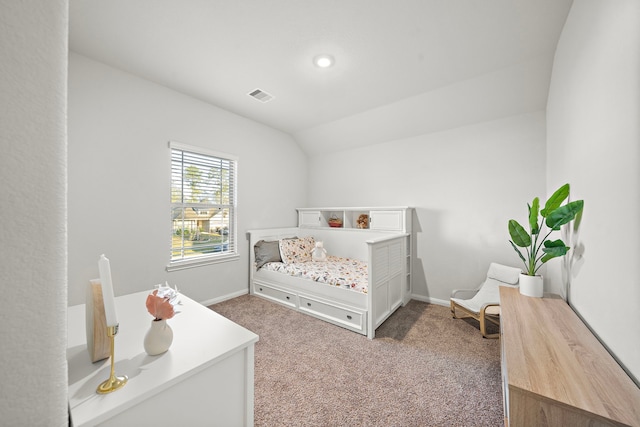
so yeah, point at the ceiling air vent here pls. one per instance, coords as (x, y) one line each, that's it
(260, 95)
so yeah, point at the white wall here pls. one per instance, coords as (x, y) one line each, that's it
(594, 143)
(33, 366)
(465, 185)
(119, 128)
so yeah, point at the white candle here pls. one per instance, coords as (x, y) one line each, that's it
(107, 291)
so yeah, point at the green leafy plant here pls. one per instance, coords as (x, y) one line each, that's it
(537, 249)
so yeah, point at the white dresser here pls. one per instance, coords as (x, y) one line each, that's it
(205, 379)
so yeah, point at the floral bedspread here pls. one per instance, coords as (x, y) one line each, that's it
(335, 271)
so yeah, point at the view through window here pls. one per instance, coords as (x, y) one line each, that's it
(203, 205)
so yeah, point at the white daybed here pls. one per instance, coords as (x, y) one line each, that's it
(361, 312)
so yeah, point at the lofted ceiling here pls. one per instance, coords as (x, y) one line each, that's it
(402, 68)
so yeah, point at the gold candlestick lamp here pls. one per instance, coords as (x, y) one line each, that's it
(113, 383)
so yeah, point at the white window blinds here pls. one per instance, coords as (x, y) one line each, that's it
(203, 204)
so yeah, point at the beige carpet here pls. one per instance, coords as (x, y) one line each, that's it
(422, 369)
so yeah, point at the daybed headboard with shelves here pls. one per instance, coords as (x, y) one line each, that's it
(382, 219)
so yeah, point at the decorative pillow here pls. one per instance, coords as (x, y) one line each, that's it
(296, 250)
(267, 251)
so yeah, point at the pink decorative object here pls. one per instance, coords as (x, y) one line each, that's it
(159, 307)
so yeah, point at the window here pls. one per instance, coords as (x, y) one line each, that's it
(203, 206)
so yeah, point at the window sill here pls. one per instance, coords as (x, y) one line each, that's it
(192, 263)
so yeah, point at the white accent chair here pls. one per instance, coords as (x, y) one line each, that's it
(483, 303)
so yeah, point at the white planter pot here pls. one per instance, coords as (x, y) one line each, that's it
(531, 286)
(158, 338)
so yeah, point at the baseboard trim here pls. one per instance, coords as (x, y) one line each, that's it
(430, 300)
(224, 298)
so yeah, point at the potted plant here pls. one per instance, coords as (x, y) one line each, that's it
(537, 249)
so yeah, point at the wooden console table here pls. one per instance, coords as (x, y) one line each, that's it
(205, 378)
(555, 372)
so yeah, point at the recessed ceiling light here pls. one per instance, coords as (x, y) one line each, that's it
(323, 61)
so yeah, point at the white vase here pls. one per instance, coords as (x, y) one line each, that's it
(158, 338)
(531, 286)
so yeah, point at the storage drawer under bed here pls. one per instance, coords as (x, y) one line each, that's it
(277, 295)
(351, 319)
